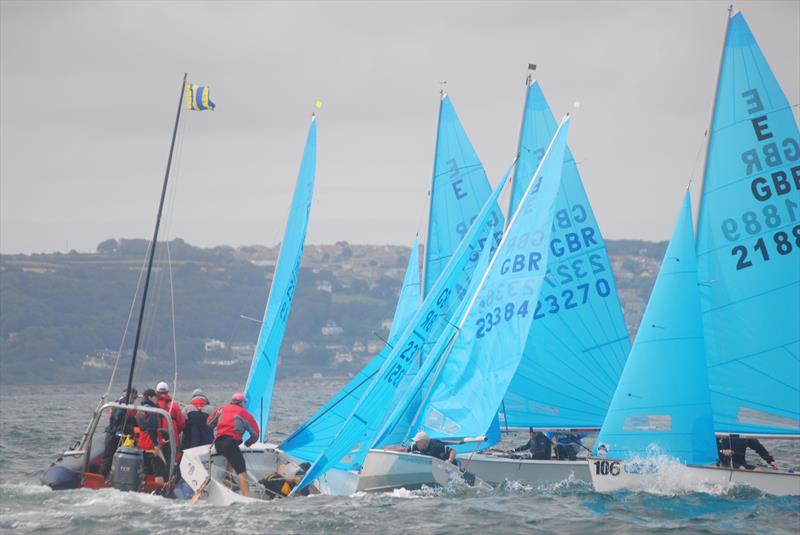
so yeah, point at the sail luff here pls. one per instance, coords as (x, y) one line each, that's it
(261, 378)
(424, 274)
(711, 122)
(529, 81)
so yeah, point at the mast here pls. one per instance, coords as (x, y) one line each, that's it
(528, 83)
(711, 122)
(154, 242)
(424, 273)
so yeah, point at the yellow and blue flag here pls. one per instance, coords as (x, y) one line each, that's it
(198, 98)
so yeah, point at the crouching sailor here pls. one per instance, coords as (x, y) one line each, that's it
(733, 450)
(280, 483)
(424, 445)
(231, 422)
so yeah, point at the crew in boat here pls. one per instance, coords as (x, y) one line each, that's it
(567, 445)
(424, 445)
(280, 483)
(120, 423)
(197, 431)
(732, 451)
(149, 440)
(539, 444)
(166, 402)
(231, 422)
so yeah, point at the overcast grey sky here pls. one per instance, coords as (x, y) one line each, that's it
(88, 93)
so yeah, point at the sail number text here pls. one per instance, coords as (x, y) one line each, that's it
(549, 304)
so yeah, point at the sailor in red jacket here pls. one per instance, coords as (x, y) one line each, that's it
(166, 402)
(230, 423)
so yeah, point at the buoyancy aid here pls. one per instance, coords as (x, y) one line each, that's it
(197, 431)
(284, 480)
(174, 410)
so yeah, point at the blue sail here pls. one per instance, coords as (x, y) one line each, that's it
(352, 443)
(475, 374)
(261, 380)
(308, 440)
(459, 189)
(407, 401)
(662, 402)
(749, 246)
(535, 133)
(577, 347)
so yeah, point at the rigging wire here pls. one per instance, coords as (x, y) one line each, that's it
(127, 326)
(167, 234)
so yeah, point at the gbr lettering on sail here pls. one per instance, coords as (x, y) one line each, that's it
(776, 166)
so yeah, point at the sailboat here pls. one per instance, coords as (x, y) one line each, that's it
(202, 467)
(79, 466)
(466, 334)
(722, 329)
(459, 191)
(578, 344)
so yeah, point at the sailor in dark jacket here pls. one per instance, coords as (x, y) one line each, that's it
(424, 445)
(121, 423)
(732, 452)
(197, 431)
(539, 445)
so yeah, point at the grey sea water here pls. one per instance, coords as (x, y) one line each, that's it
(37, 423)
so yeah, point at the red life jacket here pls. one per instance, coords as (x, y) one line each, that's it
(174, 410)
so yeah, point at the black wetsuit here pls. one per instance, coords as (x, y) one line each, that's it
(739, 447)
(539, 446)
(436, 448)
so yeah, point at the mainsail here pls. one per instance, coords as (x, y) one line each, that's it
(311, 438)
(748, 246)
(261, 380)
(474, 375)
(458, 191)
(351, 445)
(578, 344)
(662, 402)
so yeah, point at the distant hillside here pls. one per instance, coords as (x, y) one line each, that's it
(62, 315)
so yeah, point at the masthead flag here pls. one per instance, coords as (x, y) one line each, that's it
(198, 98)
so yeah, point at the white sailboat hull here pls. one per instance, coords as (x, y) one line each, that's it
(203, 469)
(609, 475)
(494, 469)
(383, 471)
